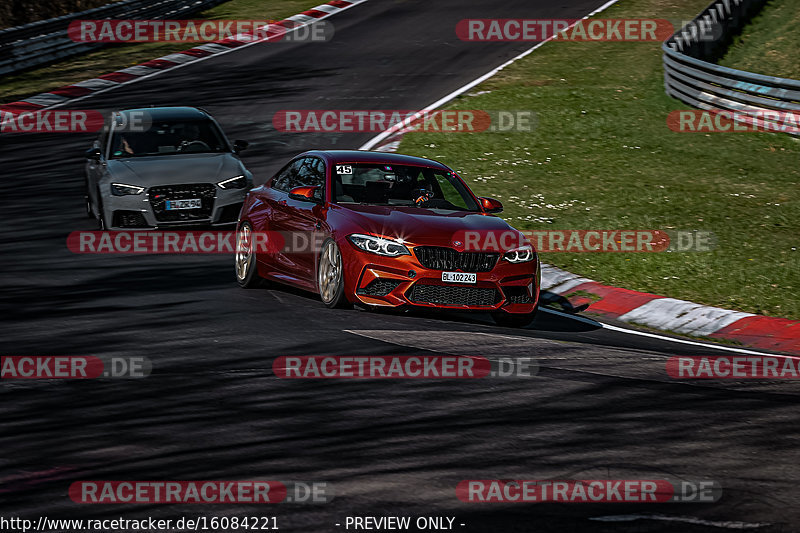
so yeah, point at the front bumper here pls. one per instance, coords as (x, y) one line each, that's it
(220, 207)
(404, 281)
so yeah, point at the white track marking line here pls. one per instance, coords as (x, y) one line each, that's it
(288, 30)
(438, 103)
(660, 337)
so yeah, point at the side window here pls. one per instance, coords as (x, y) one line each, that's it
(307, 171)
(283, 179)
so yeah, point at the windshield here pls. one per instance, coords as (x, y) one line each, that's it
(168, 137)
(401, 185)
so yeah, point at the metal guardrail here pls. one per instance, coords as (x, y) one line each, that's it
(45, 41)
(691, 76)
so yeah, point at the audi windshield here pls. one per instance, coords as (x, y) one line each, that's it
(167, 138)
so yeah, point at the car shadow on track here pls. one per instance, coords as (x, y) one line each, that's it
(544, 322)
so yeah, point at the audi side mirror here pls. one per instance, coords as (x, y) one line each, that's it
(239, 145)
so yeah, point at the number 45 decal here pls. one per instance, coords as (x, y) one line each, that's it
(344, 169)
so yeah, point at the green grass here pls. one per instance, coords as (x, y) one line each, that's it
(769, 44)
(602, 157)
(115, 57)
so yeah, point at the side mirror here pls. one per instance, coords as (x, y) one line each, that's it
(490, 205)
(93, 153)
(305, 194)
(240, 145)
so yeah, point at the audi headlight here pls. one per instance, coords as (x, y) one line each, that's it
(236, 182)
(522, 254)
(120, 189)
(378, 245)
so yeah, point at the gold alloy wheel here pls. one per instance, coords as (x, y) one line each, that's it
(244, 251)
(330, 272)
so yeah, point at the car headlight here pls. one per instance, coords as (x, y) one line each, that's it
(378, 245)
(522, 254)
(120, 189)
(236, 182)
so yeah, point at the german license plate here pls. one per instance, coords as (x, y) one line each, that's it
(190, 203)
(459, 277)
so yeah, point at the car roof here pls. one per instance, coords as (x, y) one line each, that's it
(170, 113)
(366, 156)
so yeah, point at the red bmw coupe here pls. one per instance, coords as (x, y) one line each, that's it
(381, 229)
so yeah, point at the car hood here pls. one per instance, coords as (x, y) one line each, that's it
(422, 226)
(175, 169)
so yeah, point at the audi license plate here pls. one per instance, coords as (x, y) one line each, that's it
(190, 203)
(459, 277)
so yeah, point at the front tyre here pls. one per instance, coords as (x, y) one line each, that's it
(101, 215)
(88, 200)
(245, 258)
(330, 276)
(514, 320)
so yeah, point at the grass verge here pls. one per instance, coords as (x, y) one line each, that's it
(602, 157)
(769, 44)
(116, 57)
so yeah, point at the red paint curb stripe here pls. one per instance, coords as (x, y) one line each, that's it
(118, 77)
(765, 332)
(20, 107)
(159, 64)
(614, 301)
(196, 52)
(233, 43)
(71, 91)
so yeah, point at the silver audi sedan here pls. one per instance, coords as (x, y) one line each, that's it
(164, 167)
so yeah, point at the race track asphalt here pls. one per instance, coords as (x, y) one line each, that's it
(600, 407)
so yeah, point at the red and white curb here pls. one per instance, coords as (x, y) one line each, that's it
(651, 310)
(79, 91)
(669, 314)
(658, 312)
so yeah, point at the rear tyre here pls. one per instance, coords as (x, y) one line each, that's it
(330, 276)
(245, 258)
(514, 320)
